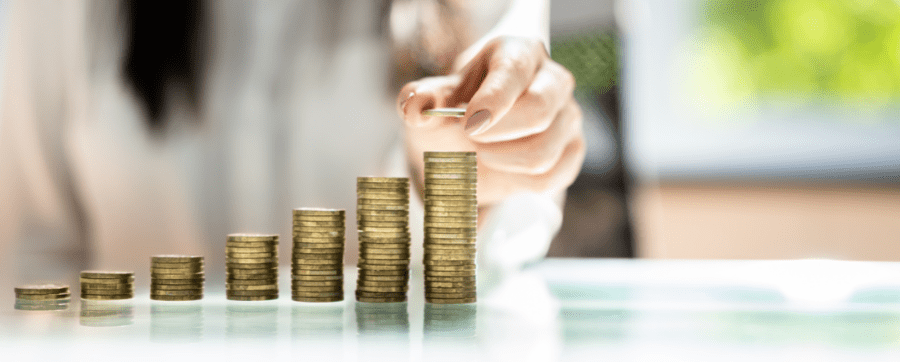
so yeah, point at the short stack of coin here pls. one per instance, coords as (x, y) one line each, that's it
(451, 212)
(317, 262)
(107, 285)
(42, 297)
(176, 277)
(382, 214)
(251, 267)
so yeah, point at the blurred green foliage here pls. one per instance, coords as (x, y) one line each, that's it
(845, 49)
(591, 56)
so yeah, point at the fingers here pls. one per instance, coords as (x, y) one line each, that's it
(535, 154)
(535, 110)
(494, 186)
(499, 75)
(423, 94)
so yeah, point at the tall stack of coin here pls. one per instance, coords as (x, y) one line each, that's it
(176, 277)
(107, 285)
(42, 297)
(451, 212)
(251, 267)
(317, 268)
(382, 214)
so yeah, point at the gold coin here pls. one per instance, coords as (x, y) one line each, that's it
(450, 301)
(321, 273)
(175, 292)
(251, 287)
(365, 273)
(154, 286)
(98, 274)
(460, 273)
(360, 293)
(383, 218)
(366, 225)
(367, 262)
(251, 299)
(463, 161)
(334, 219)
(450, 154)
(446, 172)
(449, 284)
(448, 225)
(251, 293)
(380, 300)
(395, 213)
(181, 298)
(396, 196)
(318, 300)
(371, 256)
(192, 281)
(299, 250)
(303, 288)
(246, 266)
(383, 266)
(456, 279)
(471, 210)
(42, 289)
(445, 112)
(265, 281)
(327, 224)
(183, 270)
(107, 281)
(229, 260)
(318, 261)
(374, 283)
(386, 278)
(317, 283)
(364, 201)
(401, 245)
(252, 271)
(308, 244)
(434, 215)
(395, 251)
(432, 290)
(450, 233)
(54, 296)
(383, 235)
(301, 277)
(239, 237)
(317, 211)
(436, 246)
(456, 295)
(176, 259)
(388, 180)
(382, 208)
(315, 267)
(89, 286)
(387, 230)
(317, 294)
(107, 297)
(266, 249)
(381, 289)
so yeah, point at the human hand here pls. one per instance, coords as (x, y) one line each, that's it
(521, 118)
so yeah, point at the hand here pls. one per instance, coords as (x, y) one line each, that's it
(521, 118)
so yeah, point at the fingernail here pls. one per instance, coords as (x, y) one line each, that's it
(477, 122)
(403, 102)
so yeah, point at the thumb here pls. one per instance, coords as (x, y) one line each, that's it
(426, 93)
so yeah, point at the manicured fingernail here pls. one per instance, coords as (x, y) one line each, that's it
(403, 102)
(477, 122)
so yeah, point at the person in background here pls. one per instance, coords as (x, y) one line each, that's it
(134, 128)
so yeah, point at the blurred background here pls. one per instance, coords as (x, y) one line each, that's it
(748, 129)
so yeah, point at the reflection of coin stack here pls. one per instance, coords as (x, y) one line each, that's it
(450, 321)
(176, 322)
(106, 314)
(42, 297)
(317, 267)
(251, 267)
(382, 214)
(251, 322)
(107, 285)
(382, 320)
(451, 210)
(176, 277)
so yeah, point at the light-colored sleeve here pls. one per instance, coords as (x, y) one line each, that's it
(42, 226)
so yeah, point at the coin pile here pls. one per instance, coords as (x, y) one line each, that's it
(382, 215)
(176, 277)
(451, 212)
(42, 297)
(107, 285)
(251, 267)
(317, 263)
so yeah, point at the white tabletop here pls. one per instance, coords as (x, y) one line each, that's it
(559, 310)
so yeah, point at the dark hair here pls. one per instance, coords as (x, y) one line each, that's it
(164, 46)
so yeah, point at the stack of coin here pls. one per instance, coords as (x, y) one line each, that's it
(451, 212)
(382, 214)
(251, 267)
(107, 285)
(176, 277)
(42, 297)
(317, 267)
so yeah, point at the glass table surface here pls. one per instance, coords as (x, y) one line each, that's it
(556, 310)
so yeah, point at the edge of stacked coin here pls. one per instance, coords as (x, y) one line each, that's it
(107, 285)
(451, 213)
(382, 215)
(42, 297)
(317, 261)
(176, 277)
(251, 267)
